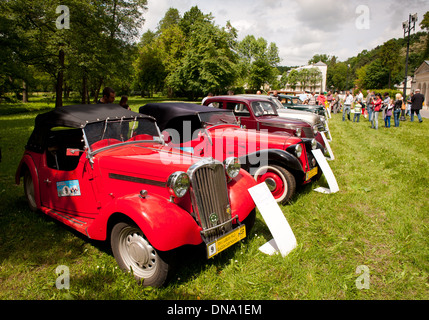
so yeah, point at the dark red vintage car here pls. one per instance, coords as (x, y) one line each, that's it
(106, 172)
(258, 112)
(280, 160)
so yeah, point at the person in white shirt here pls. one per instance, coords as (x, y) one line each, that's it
(208, 96)
(347, 105)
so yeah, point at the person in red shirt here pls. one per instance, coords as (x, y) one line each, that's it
(377, 103)
(321, 99)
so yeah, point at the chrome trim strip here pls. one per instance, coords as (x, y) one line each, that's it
(123, 177)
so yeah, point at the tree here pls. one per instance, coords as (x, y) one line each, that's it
(314, 77)
(29, 38)
(293, 78)
(150, 72)
(337, 76)
(95, 50)
(258, 61)
(208, 63)
(304, 77)
(171, 18)
(425, 25)
(320, 57)
(389, 57)
(377, 75)
(361, 78)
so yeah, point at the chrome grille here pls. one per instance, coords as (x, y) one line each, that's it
(308, 131)
(320, 126)
(210, 198)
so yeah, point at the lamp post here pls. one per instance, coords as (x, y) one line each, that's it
(408, 26)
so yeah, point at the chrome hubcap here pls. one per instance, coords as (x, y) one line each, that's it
(137, 253)
(271, 184)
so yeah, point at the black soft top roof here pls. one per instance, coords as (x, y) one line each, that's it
(164, 112)
(78, 116)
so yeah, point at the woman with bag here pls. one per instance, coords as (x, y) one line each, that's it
(388, 114)
(397, 109)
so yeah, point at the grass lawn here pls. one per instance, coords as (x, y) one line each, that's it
(378, 219)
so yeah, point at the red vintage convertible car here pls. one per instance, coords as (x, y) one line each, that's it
(257, 112)
(280, 160)
(105, 172)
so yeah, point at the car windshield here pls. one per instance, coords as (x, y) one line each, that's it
(263, 108)
(277, 103)
(215, 118)
(296, 100)
(113, 132)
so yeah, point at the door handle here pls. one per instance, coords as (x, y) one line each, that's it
(47, 181)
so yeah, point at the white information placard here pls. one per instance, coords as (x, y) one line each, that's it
(283, 238)
(327, 171)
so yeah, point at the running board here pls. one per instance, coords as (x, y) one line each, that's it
(78, 223)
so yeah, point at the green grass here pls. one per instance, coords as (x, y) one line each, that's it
(379, 219)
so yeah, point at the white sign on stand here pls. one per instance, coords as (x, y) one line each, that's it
(327, 171)
(284, 240)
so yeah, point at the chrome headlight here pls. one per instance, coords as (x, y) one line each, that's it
(315, 130)
(298, 132)
(232, 167)
(178, 184)
(298, 150)
(313, 144)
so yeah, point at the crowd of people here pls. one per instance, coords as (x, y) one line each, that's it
(369, 107)
(372, 106)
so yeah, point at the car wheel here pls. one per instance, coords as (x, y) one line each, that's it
(280, 181)
(29, 191)
(135, 254)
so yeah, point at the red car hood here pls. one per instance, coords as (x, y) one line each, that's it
(153, 161)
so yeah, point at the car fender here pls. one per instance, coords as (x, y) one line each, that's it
(239, 197)
(250, 162)
(165, 224)
(28, 161)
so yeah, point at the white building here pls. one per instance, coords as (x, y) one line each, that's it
(317, 88)
(421, 79)
(400, 86)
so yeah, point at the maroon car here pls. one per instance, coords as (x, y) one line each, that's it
(258, 113)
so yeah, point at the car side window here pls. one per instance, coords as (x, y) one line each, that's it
(288, 101)
(239, 109)
(216, 104)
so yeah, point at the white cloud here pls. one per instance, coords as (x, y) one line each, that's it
(303, 28)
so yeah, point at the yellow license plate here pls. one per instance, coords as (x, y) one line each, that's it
(310, 174)
(214, 247)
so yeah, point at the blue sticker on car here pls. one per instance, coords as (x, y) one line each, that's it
(69, 188)
(187, 149)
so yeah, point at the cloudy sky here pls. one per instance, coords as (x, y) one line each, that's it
(302, 28)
